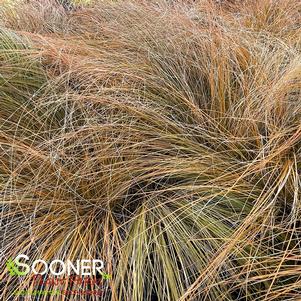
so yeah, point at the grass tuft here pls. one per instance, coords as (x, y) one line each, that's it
(163, 137)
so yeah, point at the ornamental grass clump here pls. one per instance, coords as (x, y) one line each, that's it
(162, 137)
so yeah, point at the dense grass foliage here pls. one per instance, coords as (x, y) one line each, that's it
(161, 136)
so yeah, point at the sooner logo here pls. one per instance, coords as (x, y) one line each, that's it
(83, 267)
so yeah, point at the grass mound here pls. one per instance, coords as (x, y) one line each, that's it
(163, 137)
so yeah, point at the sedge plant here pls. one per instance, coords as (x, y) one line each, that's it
(163, 137)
